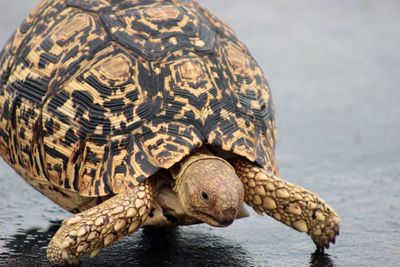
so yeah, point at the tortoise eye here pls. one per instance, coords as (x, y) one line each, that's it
(204, 195)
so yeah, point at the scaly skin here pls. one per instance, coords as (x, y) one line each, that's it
(288, 203)
(99, 227)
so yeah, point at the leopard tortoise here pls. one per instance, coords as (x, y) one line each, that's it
(143, 112)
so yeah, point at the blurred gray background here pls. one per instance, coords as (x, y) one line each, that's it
(334, 70)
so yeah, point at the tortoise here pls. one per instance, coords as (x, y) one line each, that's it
(143, 112)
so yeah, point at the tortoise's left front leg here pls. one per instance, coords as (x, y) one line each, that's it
(288, 203)
(96, 228)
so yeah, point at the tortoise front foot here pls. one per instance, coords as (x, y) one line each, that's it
(96, 228)
(288, 203)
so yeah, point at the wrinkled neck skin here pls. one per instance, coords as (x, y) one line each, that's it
(208, 188)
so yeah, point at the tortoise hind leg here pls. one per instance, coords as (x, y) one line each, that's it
(288, 203)
(96, 228)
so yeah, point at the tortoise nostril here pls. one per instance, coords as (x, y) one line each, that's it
(204, 195)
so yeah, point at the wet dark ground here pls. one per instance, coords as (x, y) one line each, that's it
(334, 69)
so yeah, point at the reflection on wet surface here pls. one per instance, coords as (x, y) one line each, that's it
(147, 247)
(28, 247)
(320, 259)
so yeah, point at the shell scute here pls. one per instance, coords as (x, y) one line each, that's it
(154, 30)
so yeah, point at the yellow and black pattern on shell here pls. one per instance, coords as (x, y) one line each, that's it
(96, 96)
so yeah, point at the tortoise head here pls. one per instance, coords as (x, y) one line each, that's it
(209, 190)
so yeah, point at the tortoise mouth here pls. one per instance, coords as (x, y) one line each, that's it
(213, 221)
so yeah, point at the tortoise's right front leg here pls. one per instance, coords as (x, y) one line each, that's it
(98, 227)
(288, 203)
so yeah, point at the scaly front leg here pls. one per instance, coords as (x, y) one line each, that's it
(288, 203)
(98, 227)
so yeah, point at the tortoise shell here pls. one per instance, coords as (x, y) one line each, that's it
(97, 95)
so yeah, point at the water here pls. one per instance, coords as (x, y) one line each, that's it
(334, 69)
